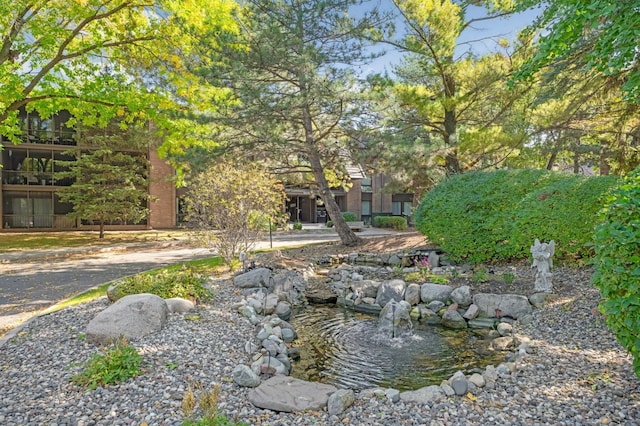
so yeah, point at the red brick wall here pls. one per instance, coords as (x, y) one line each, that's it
(163, 189)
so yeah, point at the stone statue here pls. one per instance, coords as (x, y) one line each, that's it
(542, 254)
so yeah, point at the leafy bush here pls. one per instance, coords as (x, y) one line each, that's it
(184, 283)
(489, 216)
(349, 217)
(117, 364)
(395, 222)
(617, 264)
(297, 226)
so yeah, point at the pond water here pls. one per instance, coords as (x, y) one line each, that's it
(343, 348)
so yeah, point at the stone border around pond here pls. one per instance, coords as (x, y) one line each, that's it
(268, 297)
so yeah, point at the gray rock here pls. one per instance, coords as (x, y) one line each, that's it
(512, 305)
(390, 290)
(288, 335)
(179, 305)
(245, 377)
(435, 305)
(477, 379)
(412, 294)
(269, 365)
(339, 401)
(288, 394)
(505, 329)
(365, 288)
(283, 310)
(472, 312)
(430, 292)
(453, 319)
(539, 299)
(433, 259)
(258, 277)
(482, 322)
(392, 394)
(462, 295)
(447, 389)
(490, 374)
(423, 395)
(459, 385)
(132, 316)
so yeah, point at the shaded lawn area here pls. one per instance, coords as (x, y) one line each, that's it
(47, 240)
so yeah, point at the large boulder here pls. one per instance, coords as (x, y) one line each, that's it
(412, 294)
(439, 292)
(502, 305)
(390, 290)
(462, 295)
(288, 394)
(259, 277)
(423, 395)
(365, 288)
(132, 317)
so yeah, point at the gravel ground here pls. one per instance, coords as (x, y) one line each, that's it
(577, 375)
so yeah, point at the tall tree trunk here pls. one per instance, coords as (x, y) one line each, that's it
(451, 160)
(101, 228)
(347, 236)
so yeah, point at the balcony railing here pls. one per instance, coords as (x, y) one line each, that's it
(16, 177)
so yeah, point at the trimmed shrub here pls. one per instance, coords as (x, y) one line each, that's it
(347, 216)
(617, 264)
(491, 216)
(395, 222)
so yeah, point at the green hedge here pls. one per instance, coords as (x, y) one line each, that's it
(491, 216)
(617, 264)
(347, 216)
(395, 222)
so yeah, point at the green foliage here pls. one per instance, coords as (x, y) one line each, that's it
(480, 275)
(508, 277)
(490, 216)
(297, 226)
(116, 364)
(617, 264)
(600, 35)
(184, 283)
(225, 202)
(395, 222)
(349, 216)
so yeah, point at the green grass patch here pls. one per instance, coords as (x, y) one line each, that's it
(116, 364)
(48, 240)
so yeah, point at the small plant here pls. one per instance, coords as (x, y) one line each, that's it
(116, 364)
(297, 226)
(508, 277)
(170, 365)
(184, 283)
(208, 405)
(480, 275)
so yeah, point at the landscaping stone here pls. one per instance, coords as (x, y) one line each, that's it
(132, 317)
(245, 377)
(288, 394)
(258, 277)
(440, 292)
(390, 290)
(462, 295)
(423, 395)
(179, 305)
(339, 401)
(512, 305)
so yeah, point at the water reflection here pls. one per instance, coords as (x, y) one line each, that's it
(343, 348)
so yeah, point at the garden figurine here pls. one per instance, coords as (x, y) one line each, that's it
(542, 259)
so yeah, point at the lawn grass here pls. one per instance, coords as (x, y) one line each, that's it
(49, 240)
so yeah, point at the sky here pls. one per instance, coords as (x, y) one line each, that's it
(479, 39)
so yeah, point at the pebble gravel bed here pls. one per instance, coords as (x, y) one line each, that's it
(576, 375)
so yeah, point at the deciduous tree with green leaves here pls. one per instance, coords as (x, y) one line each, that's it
(227, 204)
(104, 59)
(600, 35)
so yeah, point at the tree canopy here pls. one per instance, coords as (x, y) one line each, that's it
(100, 60)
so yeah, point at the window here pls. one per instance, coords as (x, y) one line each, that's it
(365, 185)
(366, 208)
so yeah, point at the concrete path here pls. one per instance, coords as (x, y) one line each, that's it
(35, 280)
